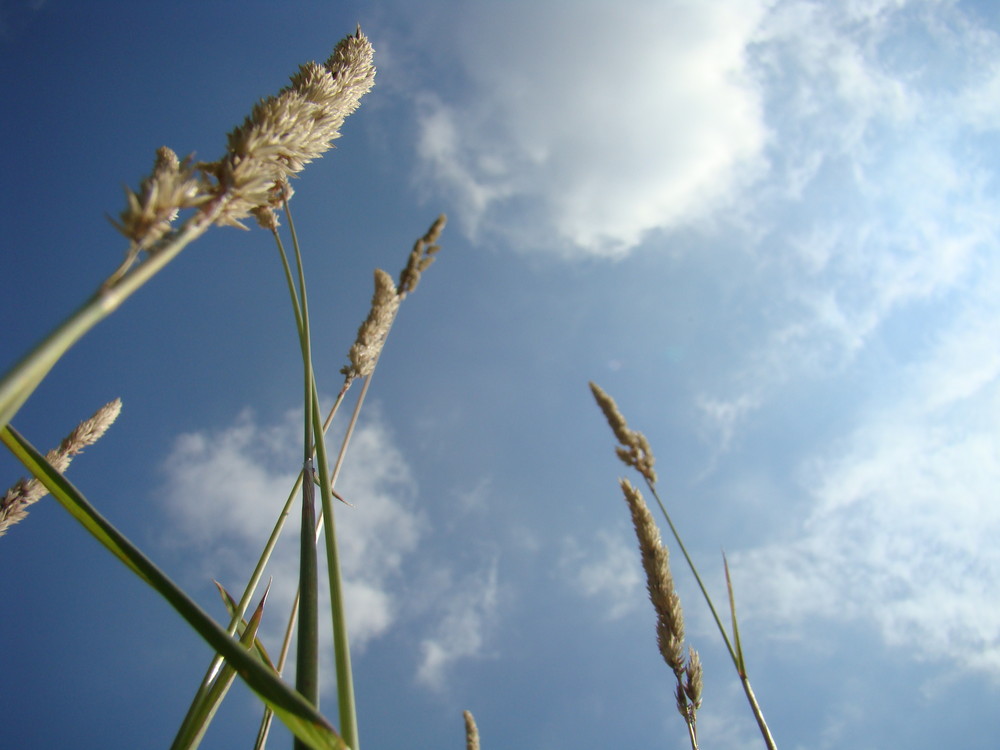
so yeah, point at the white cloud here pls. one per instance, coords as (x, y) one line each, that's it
(464, 627)
(223, 490)
(608, 570)
(594, 129)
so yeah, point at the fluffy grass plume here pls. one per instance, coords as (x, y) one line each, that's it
(14, 505)
(471, 731)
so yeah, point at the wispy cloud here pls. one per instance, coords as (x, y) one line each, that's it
(607, 570)
(463, 630)
(902, 526)
(881, 202)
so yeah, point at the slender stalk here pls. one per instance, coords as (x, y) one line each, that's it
(24, 377)
(342, 654)
(692, 735)
(307, 650)
(758, 714)
(293, 614)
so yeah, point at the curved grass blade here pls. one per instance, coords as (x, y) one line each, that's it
(295, 712)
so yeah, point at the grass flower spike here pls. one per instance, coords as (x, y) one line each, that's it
(285, 132)
(667, 605)
(471, 731)
(634, 450)
(372, 333)
(14, 505)
(659, 580)
(170, 187)
(281, 135)
(421, 257)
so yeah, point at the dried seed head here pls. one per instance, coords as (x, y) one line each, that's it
(693, 678)
(13, 505)
(471, 731)
(372, 333)
(634, 450)
(170, 187)
(282, 134)
(659, 580)
(267, 217)
(285, 132)
(421, 256)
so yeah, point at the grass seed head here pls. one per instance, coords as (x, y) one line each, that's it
(634, 450)
(421, 256)
(171, 186)
(14, 504)
(372, 334)
(693, 678)
(471, 731)
(659, 580)
(285, 132)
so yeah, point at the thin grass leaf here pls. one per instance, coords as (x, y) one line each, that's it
(301, 718)
(740, 664)
(195, 725)
(741, 668)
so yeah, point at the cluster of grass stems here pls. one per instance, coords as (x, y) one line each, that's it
(281, 135)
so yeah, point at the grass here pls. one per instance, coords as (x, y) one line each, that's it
(176, 204)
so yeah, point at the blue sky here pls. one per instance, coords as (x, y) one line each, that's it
(767, 227)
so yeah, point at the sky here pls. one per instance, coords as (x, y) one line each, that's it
(768, 228)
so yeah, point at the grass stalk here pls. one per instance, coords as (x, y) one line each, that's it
(25, 376)
(342, 657)
(307, 649)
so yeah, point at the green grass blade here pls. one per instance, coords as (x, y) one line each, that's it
(307, 652)
(294, 711)
(236, 612)
(740, 664)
